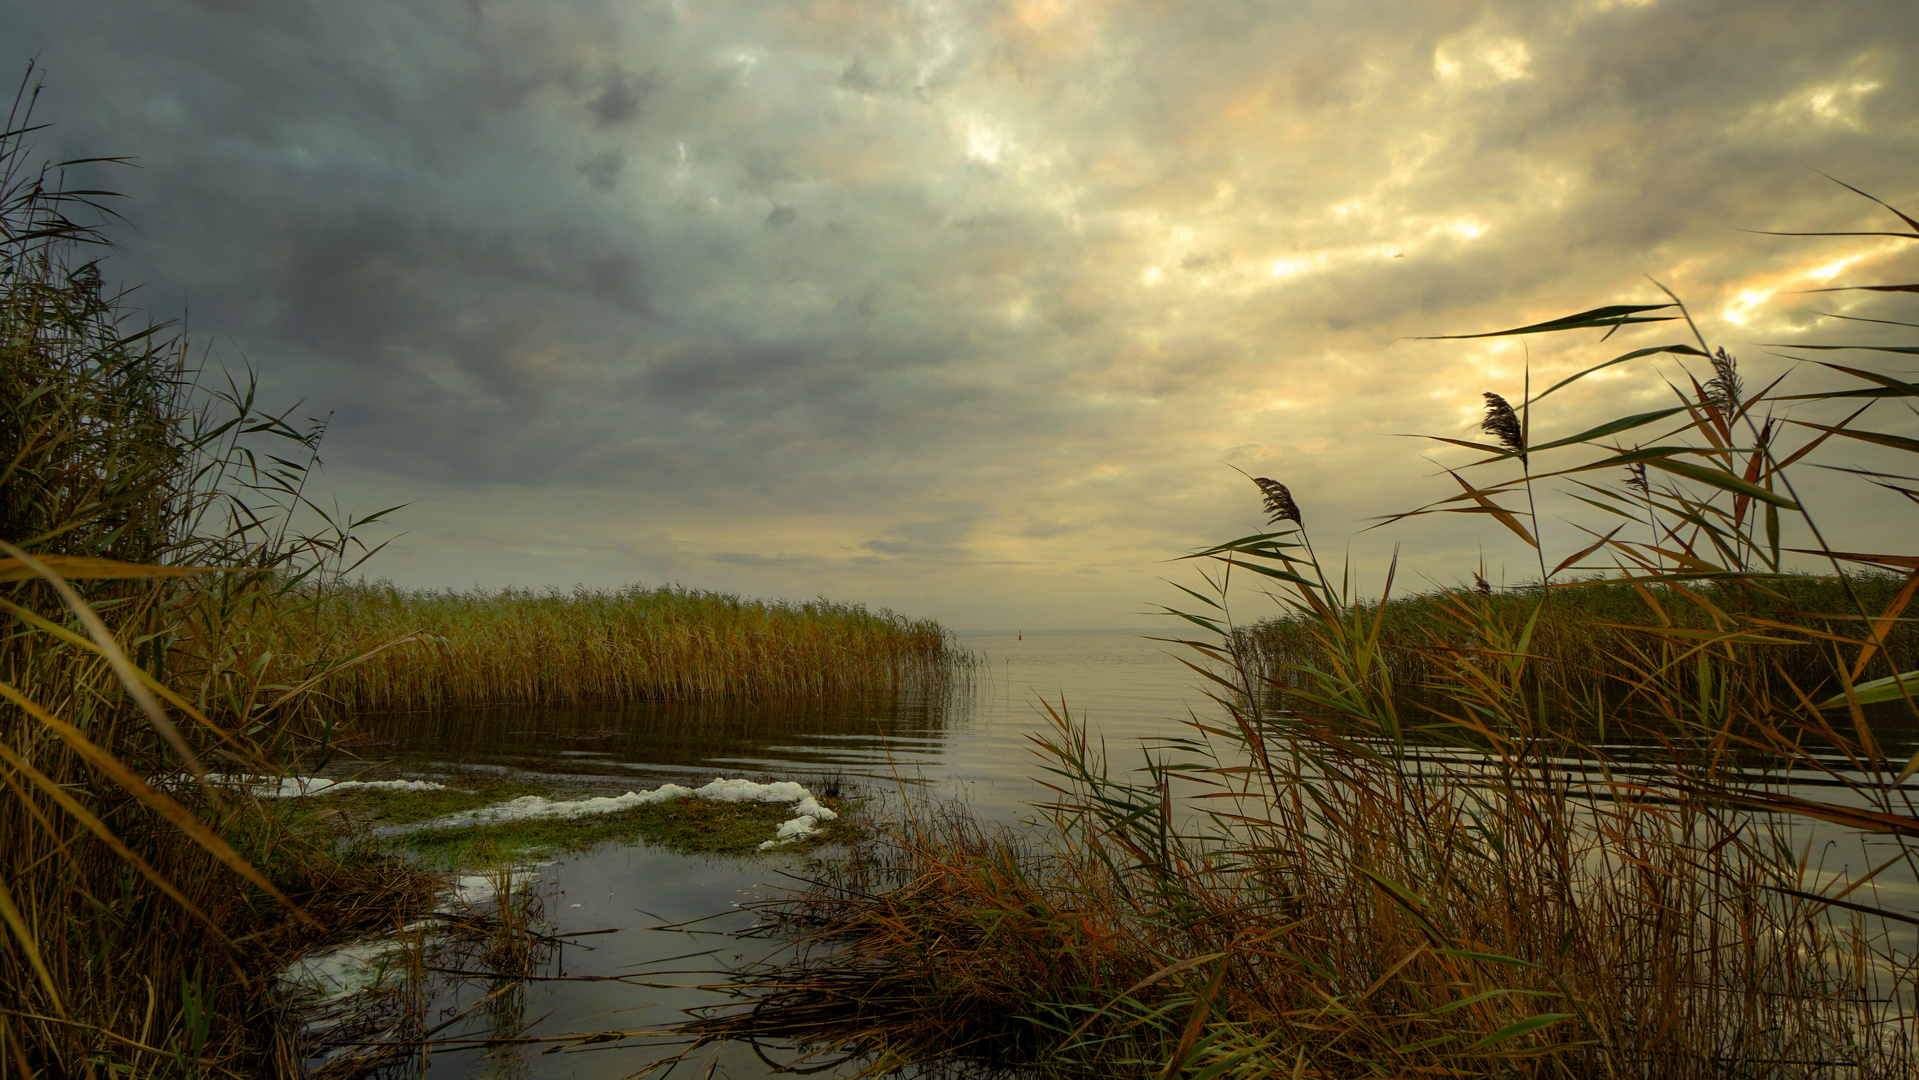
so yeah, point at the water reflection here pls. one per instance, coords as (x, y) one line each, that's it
(970, 741)
(672, 737)
(973, 742)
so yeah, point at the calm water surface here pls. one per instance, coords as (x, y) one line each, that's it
(972, 744)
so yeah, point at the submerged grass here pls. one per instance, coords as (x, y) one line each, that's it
(520, 646)
(1412, 849)
(378, 1006)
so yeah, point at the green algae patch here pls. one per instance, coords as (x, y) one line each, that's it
(691, 825)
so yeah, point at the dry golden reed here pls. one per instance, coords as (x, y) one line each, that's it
(140, 910)
(521, 646)
(163, 621)
(1644, 821)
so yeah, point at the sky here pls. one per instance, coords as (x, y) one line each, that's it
(972, 310)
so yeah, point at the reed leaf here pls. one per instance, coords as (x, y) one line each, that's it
(1535, 832)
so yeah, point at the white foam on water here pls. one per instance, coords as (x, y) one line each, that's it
(331, 974)
(809, 807)
(807, 811)
(798, 828)
(537, 807)
(470, 889)
(292, 787)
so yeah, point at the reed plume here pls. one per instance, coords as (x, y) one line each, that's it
(1636, 477)
(1279, 502)
(1471, 834)
(1724, 389)
(1503, 424)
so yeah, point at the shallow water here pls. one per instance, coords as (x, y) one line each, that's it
(970, 744)
(973, 743)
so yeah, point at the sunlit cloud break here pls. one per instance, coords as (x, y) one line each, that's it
(958, 308)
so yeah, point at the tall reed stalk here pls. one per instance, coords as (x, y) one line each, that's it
(139, 539)
(175, 603)
(1650, 830)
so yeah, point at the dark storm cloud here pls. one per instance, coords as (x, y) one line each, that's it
(602, 170)
(834, 268)
(621, 97)
(356, 285)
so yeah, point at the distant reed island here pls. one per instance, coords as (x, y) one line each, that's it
(527, 647)
(1587, 636)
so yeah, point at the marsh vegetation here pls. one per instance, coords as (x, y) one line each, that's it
(1639, 819)
(1589, 631)
(1407, 842)
(177, 607)
(611, 646)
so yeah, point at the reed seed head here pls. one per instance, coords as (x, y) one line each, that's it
(1279, 502)
(1636, 477)
(1503, 424)
(1724, 390)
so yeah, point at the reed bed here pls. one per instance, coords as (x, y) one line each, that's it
(520, 646)
(1588, 629)
(140, 909)
(1417, 850)
(1373, 925)
(165, 617)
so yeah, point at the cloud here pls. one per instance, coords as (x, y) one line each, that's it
(602, 170)
(620, 98)
(826, 272)
(743, 558)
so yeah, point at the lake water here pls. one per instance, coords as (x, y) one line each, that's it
(972, 744)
